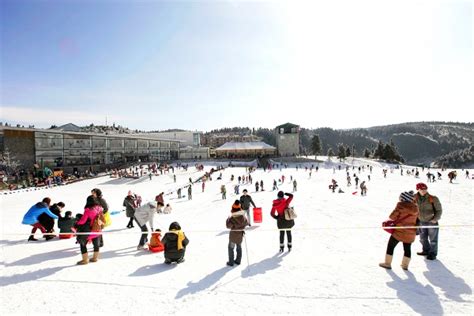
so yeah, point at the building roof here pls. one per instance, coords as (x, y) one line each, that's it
(56, 131)
(245, 146)
(287, 125)
(69, 127)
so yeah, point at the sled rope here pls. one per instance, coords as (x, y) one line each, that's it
(250, 231)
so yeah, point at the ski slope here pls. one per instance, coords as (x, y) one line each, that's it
(332, 269)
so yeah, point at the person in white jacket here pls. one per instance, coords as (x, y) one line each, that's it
(144, 214)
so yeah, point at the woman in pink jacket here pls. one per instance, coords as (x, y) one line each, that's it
(91, 211)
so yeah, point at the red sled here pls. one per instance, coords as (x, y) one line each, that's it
(354, 193)
(257, 214)
(159, 248)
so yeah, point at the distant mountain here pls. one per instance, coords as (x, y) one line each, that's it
(419, 142)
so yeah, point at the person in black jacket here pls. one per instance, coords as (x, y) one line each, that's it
(48, 222)
(175, 242)
(66, 225)
(97, 193)
(245, 201)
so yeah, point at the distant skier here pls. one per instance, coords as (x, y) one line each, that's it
(223, 191)
(190, 192)
(363, 188)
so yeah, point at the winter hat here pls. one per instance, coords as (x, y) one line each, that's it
(175, 226)
(281, 194)
(421, 186)
(407, 196)
(129, 193)
(236, 206)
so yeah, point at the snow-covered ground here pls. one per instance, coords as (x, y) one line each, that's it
(332, 269)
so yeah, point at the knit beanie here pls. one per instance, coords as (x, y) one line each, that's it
(421, 186)
(407, 196)
(236, 206)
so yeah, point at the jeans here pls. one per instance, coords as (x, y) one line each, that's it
(95, 242)
(248, 214)
(392, 243)
(144, 236)
(230, 249)
(429, 238)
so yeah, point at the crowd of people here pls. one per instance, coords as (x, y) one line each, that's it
(415, 213)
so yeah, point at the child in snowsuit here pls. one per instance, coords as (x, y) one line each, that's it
(175, 242)
(66, 225)
(155, 244)
(236, 222)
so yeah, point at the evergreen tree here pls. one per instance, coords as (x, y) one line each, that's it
(378, 153)
(330, 152)
(341, 152)
(348, 151)
(316, 145)
(366, 153)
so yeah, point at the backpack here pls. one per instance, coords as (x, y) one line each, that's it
(290, 213)
(99, 222)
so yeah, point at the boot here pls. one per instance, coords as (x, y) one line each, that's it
(95, 257)
(85, 259)
(289, 246)
(405, 262)
(388, 262)
(282, 248)
(32, 238)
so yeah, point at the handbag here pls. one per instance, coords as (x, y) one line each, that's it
(388, 224)
(108, 220)
(99, 223)
(290, 213)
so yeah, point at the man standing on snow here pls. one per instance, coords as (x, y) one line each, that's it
(245, 201)
(430, 213)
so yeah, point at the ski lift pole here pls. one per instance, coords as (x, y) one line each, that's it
(247, 252)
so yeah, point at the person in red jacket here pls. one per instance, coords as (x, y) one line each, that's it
(155, 244)
(405, 213)
(278, 213)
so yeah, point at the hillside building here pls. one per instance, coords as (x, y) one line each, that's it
(288, 139)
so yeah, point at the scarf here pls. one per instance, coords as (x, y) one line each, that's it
(180, 237)
(239, 213)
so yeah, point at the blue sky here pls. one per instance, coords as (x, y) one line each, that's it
(208, 64)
